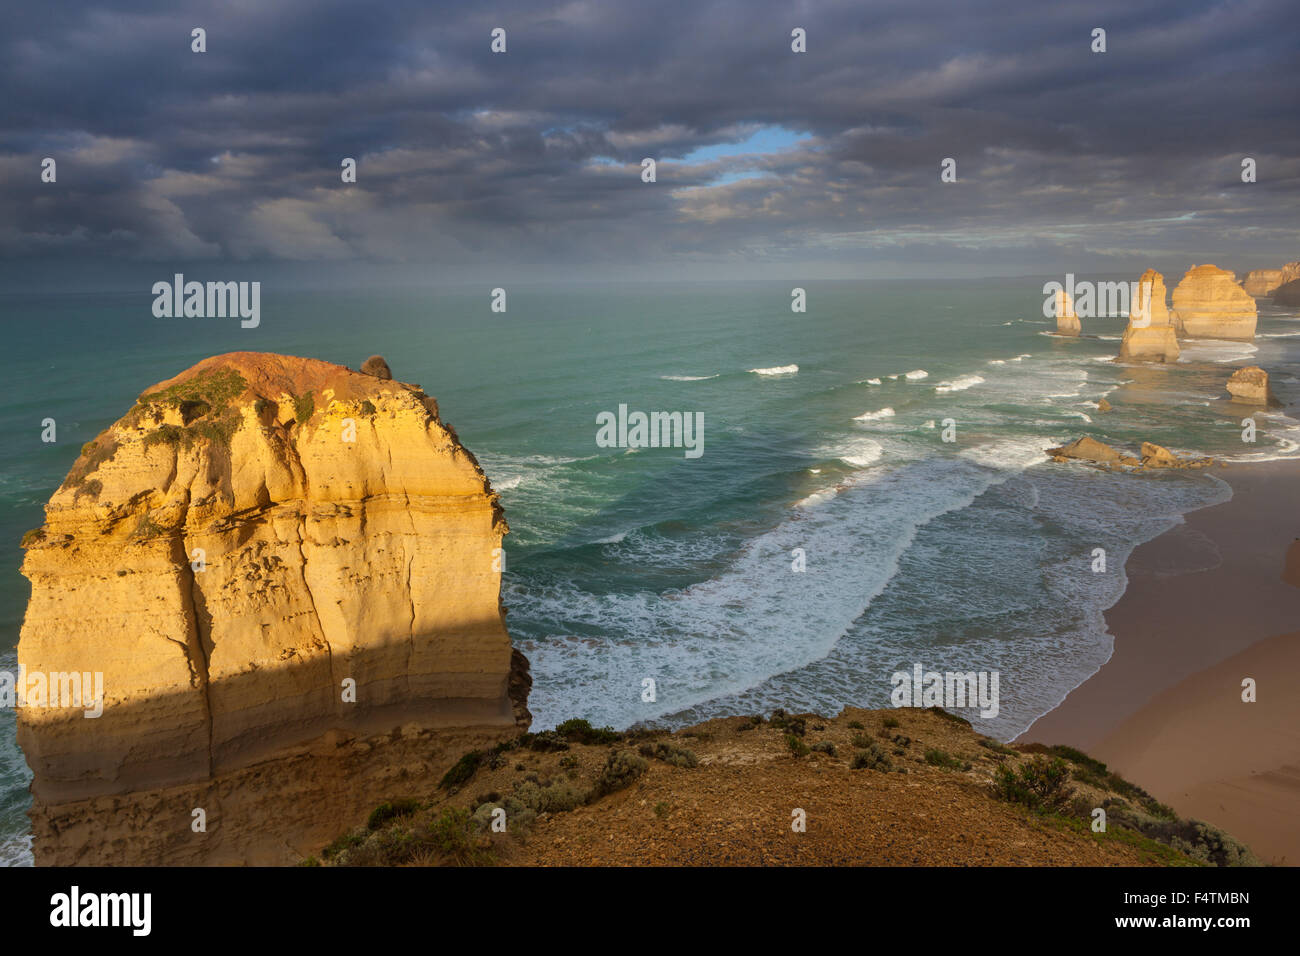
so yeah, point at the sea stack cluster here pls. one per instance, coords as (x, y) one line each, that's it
(288, 575)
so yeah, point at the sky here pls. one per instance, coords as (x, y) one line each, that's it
(527, 164)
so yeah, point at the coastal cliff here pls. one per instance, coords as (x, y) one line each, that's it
(1208, 303)
(288, 575)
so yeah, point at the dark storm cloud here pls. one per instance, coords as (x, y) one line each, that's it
(533, 158)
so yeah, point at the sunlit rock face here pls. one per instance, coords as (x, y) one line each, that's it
(1209, 304)
(265, 552)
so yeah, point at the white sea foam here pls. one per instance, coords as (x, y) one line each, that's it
(874, 416)
(776, 370)
(687, 378)
(753, 618)
(1216, 351)
(860, 452)
(916, 375)
(873, 381)
(960, 383)
(1282, 429)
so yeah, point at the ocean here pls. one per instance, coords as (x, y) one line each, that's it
(648, 586)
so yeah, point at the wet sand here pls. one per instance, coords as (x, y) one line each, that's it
(1209, 603)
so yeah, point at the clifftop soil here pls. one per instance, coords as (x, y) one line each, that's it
(924, 798)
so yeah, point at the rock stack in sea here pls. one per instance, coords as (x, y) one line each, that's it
(1067, 323)
(1150, 331)
(1208, 303)
(1249, 386)
(288, 574)
(1261, 282)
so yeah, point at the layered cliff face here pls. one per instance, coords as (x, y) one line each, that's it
(1208, 303)
(264, 552)
(1150, 333)
(1261, 282)
(1067, 323)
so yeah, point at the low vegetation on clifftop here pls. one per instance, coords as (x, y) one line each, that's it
(900, 787)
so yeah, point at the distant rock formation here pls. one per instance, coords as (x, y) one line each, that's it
(1261, 282)
(1103, 405)
(1090, 451)
(288, 575)
(1085, 449)
(1249, 386)
(1067, 323)
(1208, 303)
(1149, 335)
(1288, 294)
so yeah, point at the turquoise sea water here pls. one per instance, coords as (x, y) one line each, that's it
(627, 565)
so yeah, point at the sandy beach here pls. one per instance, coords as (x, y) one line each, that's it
(1210, 603)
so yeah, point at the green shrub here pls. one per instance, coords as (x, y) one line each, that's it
(548, 741)
(857, 724)
(825, 747)
(304, 406)
(791, 725)
(871, 757)
(797, 746)
(1039, 784)
(385, 813)
(580, 731)
(462, 771)
(670, 753)
(996, 747)
(622, 768)
(890, 722)
(940, 712)
(940, 758)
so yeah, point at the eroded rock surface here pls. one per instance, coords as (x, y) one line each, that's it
(264, 551)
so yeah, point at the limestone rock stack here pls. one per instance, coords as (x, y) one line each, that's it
(1067, 323)
(1249, 386)
(1150, 332)
(1208, 303)
(1261, 282)
(266, 556)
